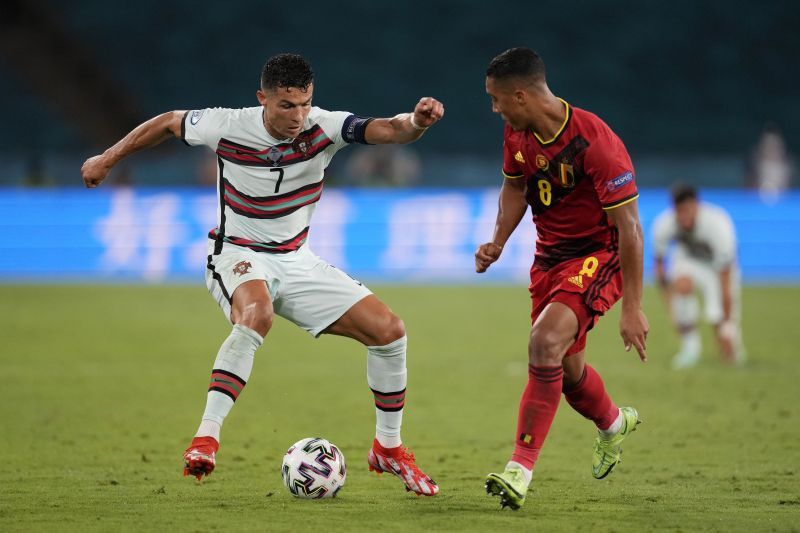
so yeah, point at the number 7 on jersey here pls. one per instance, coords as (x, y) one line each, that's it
(280, 177)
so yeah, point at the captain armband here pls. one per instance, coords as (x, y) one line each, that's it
(354, 129)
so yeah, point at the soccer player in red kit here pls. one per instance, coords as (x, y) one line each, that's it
(577, 177)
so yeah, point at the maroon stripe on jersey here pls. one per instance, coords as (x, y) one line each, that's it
(281, 247)
(314, 149)
(306, 146)
(270, 207)
(267, 201)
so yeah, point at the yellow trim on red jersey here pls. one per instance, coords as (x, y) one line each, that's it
(509, 176)
(564, 125)
(622, 202)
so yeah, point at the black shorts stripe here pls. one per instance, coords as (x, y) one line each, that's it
(609, 270)
(216, 276)
(220, 239)
(603, 277)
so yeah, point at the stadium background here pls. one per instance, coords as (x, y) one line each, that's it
(689, 87)
(106, 325)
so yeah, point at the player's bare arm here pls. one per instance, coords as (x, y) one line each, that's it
(726, 330)
(405, 127)
(150, 133)
(510, 210)
(633, 326)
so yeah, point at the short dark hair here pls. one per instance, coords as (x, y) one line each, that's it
(682, 192)
(522, 63)
(286, 70)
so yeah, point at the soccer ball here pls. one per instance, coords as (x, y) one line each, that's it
(313, 468)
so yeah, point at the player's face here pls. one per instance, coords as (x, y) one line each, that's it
(686, 214)
(506, 103)
(285, 110)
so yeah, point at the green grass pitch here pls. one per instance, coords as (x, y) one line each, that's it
(103, 388)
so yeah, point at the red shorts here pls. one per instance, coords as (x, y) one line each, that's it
(588, 285)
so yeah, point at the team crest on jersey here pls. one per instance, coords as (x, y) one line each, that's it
(274, 155)
(301, 146)
(567, 174)
(542, 162)
(242, 267)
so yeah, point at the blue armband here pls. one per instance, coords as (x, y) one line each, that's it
(354, 129)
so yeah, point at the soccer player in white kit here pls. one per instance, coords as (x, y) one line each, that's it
(704, 260)
(271, 161)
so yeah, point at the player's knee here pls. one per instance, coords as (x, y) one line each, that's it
(258, 317)
(392, 328)
(545, 348)
(683, 285)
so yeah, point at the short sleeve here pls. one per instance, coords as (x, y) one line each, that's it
(512, 166)
(723, 245)
(332, 123)
(607, 162)
(204, 126)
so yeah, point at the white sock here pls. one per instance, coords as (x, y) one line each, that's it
(231, 371)
(691, 342)
(685, 309)
(527, 473)
(614, 428)
(386, 376)
(209, 428)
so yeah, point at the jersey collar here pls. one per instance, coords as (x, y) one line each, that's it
(560, 130)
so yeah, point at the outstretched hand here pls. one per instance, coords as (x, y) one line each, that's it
(486, 254)
(633, 328)
(428, 112)
(95, 170)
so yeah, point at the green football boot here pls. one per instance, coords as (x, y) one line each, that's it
(607, 450)
(510, 486)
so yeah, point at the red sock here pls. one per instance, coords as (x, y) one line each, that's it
(589, 397)
(537, 408)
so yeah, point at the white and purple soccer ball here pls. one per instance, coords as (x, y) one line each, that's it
(313, 468)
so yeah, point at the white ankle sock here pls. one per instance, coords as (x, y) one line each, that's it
(209, 428)
(526, 472)
(614, 428)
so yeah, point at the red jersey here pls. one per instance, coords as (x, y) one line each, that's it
(572, 179)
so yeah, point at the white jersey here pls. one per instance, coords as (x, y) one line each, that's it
(712, 241)
(267, 187)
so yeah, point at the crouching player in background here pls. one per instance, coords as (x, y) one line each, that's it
(703, 260)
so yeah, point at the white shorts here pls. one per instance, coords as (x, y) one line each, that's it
(707, 280)
(304, 289)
